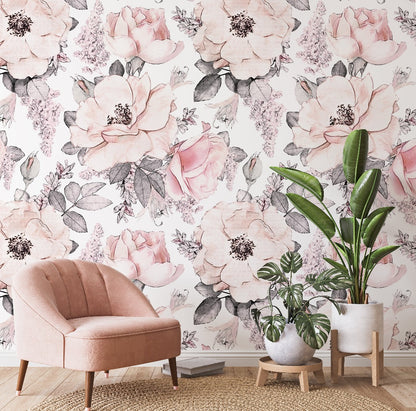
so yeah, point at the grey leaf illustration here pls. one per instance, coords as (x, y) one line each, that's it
(230, 305)
(8, 304)
(70, 149)
(292, 118)
(280, 201)
(91, 188)
(74, 23)
(20, 87)
(339, 69)
(81, 155)
(156, 181)
(135, 65)
(75, 221)
(260, 90)
(8, 82)
(116, 68)
(72, 191)
(297, 222)
(299, 4)
(207, 88)
(119, 172)
(82, 89)
(150, 163)
(238, 154)
(206, 67)
(243, 88)
(297, 24)
(383, 187)
(57, 201)
(206, 290)
(305, 89)
(78, 4)
(337, 175)
(93, 203)
(38, 89)
(142, 187)
(15, 153)
(75, 245)
(357, 67)
(292, 150)
(231, 82)
(207, 311)
(70, 118)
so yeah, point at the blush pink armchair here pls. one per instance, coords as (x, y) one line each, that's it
(87, 316)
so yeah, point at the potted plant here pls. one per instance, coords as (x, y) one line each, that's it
(293, 339)
(353, 239)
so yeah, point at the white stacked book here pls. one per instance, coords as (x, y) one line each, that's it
(196, 367)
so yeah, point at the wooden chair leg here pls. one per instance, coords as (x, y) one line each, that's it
(334, 356)
(21, 377)
(375, 361)
(173, 372)
(89, 383)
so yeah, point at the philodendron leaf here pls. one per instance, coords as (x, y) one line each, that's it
(364, 192)
(305, 180)
(376, 255)
(355, 155)
(347, 228)
(313, 213)
(373, 224)
(329, 280)
(273, 326)
(292, 295)
(271, 272)
(313, 328)
(291, 262)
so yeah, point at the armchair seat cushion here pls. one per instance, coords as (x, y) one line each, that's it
(108, 342)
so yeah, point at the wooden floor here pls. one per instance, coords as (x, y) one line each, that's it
(398, 387)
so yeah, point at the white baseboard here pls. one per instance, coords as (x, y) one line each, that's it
(250, 358)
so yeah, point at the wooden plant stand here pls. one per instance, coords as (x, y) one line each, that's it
(338, 359)
(266, 365)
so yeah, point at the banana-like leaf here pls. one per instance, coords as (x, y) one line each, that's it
(329, 280)
(313, 328)
(364, 192)
(292, 295)
(340, 267)
(355, 155)
(291, 262)
(313, 213)
(373, 224)
(345, 251)
(305, 180)
(273, 326)
(347, 229)
(376, 255)
(271, 272)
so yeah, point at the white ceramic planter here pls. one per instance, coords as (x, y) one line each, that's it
(356, 325)
(290, 349)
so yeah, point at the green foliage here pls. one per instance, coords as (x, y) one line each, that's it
(357, 234)
(313, 328)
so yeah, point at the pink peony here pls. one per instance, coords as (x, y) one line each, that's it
(402, 173)
(244, 35)
(28, 234)
(142, 256)
(237, 239)
(363, 33)
(125, 120)
(196, 166)
(140, 32)
(343, 105)
(31, 32)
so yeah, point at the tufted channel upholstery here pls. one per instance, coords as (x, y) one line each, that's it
(87, 316)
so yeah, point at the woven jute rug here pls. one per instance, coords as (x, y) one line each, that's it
(217, 393)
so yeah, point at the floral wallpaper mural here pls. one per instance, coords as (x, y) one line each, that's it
(140, 135)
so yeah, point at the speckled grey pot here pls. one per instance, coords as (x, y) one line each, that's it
(290, 349)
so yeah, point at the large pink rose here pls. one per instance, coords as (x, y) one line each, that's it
(363, 33)
(343, 105)
(27, 234)
(196, 166)
(402, 173)
(245, 35)
(142, 256)
(125, 120)
(140, 32)
(237, 239)
(31, 32)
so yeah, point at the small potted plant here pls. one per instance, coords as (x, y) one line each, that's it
(293, 339)
(353, 238)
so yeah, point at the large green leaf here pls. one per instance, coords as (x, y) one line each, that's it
(347, 228)
(340, 267)
(305, 180)
(291, 262)
(313, 213)
(345, 251)
(364, 192)
(355, 155)
(373, 224)
(376, 255)
(271, 272)
(273, 326)
(292, 295)
(313, 328)
(329, 280)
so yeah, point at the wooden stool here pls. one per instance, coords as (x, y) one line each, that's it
(338, 359)
(266, 365)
